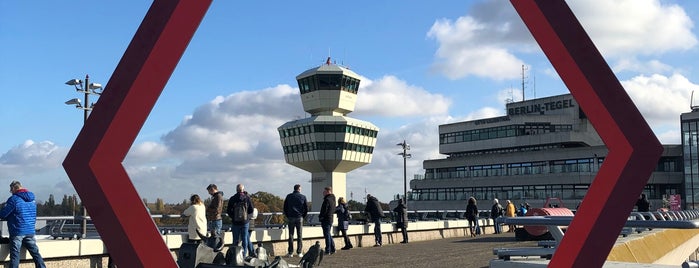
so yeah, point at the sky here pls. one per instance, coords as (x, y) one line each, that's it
(423, 64)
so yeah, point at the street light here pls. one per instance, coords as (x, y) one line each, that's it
(88, 89)
(405, 155)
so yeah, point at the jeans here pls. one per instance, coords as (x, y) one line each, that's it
(215, 227)
(377, 231)
(29, 243)
(240, 234)
(329, 242)
(295, 223)
(498, 228)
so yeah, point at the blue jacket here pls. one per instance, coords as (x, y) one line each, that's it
(20, 213)
(295, 205)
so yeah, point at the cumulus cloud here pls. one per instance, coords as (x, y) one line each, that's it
(34, 156)
(390, 96)
(661, 99)
(632, 27)
(489, 40)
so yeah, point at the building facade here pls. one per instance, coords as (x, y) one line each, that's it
(542, 148)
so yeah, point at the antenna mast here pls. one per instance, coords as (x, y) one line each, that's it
(524, 80)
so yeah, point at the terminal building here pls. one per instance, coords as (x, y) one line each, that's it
(542, 148)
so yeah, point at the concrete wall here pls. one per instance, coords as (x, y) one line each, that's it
(91, 253)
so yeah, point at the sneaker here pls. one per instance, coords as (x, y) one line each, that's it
(300, 255)
(377, 245)
(290, 255)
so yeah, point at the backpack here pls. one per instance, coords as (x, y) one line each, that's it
(240, 212)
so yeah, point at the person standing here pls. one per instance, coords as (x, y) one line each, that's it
(510, 212)
(327, 209)
(402, 219)
(239, 206)
(643, 204)
(295, 210)
(472, 215)
(375, 212)
(197, 219)
(213, 211)
(495, 213)
(20, 213)
(343, 217)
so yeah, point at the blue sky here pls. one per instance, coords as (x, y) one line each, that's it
(423, 64)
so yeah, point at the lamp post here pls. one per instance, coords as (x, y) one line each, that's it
(405, 155)
(88, 89)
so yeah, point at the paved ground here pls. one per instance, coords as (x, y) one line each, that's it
(452, 252)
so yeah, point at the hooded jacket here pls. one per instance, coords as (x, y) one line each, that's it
(20, 213)
(373, 207)
(213, 211)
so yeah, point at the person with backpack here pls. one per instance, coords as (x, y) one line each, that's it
(495, 213)
(239, 206)
(375, 212)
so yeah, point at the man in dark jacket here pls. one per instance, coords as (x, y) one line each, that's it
(295, 210)
(375, 212)
(402, 219)
(327, 209)
(20, 214)
(240, 227)
(213, 211)
(495, 213)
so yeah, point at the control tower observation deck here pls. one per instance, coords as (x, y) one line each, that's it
(328, 144)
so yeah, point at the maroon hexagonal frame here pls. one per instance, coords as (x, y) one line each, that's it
(94, 162)
(633, 148)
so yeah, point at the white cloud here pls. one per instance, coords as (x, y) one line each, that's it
(489, 40)
(390, 96)
(631, 27)
(661, 99)
(32, 156)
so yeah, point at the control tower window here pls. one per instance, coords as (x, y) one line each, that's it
(329, 81)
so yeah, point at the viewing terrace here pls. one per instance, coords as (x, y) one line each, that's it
(437, 239)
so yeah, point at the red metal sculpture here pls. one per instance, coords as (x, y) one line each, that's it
(633, 148)
(94, 162)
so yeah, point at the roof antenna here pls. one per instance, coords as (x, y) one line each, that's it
(691, 103)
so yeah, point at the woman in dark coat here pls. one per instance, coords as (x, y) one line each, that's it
(402, 219)
(472, 215)
(343, 217)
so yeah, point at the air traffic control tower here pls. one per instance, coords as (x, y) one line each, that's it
(328, 144)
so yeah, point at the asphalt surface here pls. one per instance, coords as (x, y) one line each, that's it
(450, 252)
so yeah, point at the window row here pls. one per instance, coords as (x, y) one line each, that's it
(529, 192)
(665, 164)
(327, 128)
(314, 146)
(328, 82)
(502, 132)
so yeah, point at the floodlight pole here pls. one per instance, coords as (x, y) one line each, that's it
(405, 155)
(83, 87)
